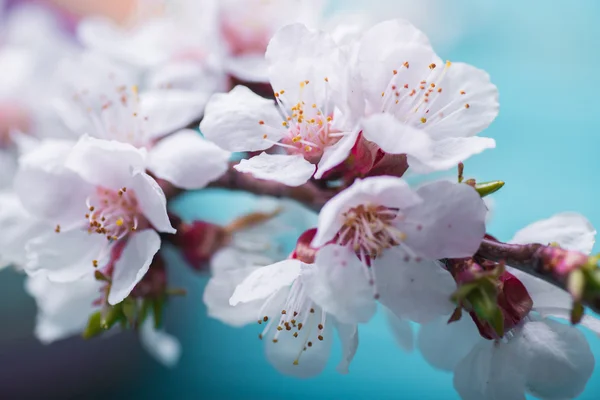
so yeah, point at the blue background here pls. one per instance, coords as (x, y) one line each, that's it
(542, 55)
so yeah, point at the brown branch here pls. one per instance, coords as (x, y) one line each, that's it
(551, 264)
(308, 194)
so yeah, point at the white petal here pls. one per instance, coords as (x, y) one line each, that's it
(187, 160)
(451, 220)
(47, 189)
(187, 75)
(63, 308)
(338, 285)
(402, 331)
(163, 347)
(448, 153)
(133, 264)
(543, 294)
(444, 345)
(291, 170)
(336, 154)
(265, 281)
(66, 256)
(491, 371)
(152, 201)
(380, 190)
(560, 359)
(395, 137)
(289, 349)
(348, 335)
(170, 110)
(248, 67)
(588, 321)
(233, 121)
(418, 291)
(570, 230)
(105, 163)
(219, 290)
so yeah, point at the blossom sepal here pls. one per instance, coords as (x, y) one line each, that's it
(486, 188)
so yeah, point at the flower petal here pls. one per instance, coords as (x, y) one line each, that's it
(402, 331)
(336, 154)
(543, 294)
(291, 170)
(66, 256)
(288, 356)
(491, 371)
(448, 153)
(63, 192)
(450, 222)
(187, 160)
(63, 308)
(170, 110)
(338, 285)
(248, 67)
(395, 137)
(133, 264)
(105, 163)
(381, 190)
(152, 201)
(418, 291)
(265, 281)
(560, 361)
(570, 230)
(348, 335)
(240, 119)
(165, 348)
(444, 345)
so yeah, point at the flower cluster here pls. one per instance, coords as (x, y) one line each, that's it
(326, 119)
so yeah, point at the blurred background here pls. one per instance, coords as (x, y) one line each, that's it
(544, 58)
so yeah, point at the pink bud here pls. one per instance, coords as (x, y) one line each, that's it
(199, 241)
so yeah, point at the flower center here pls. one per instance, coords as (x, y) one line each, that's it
(307, 127)
(113, 213)
(369, 229)
(299, 318)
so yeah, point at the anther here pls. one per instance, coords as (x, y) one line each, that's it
(467, 105)
(57, 229)
(261, 122)
(95, 263)
(320, 337)
(423, 120)
(431, 66)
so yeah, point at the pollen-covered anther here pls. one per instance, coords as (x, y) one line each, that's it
(57, 229)
(432, 66)
(423, 120)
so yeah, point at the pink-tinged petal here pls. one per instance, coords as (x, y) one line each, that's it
(165, 348)
(170, 110)
(47, 189)
(448, 153)
(133, 264)
(381, 190)
(491, 371)
(265, 281)
(395, 137)
(402, 331)
(466, 106)
(418, 291)
(152, 201)
(240, 119)
(450, 222)
(444, 345)
(66, 256)
(63, 308)
(348, 335)
(338, 285)
(558, 358)
(572, 231)
(187, 160)
(105, 163)
(291, 170)
(287, 354)
(336, 154)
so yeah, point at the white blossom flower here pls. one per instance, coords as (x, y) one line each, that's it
(385, 240)
(104, 101)
(249, 250)
(96, 194)
(327, 94)
(539, 356)
(64, 310)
